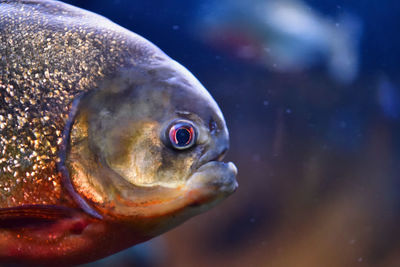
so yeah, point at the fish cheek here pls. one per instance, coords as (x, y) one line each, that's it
(135, 152)
(175, 167)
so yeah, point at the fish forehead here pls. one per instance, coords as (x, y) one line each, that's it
(51, 53)
(186, 94)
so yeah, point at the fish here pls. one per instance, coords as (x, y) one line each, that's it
(105, 141)
(284, 36)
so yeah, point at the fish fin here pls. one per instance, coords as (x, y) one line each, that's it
(32, 215)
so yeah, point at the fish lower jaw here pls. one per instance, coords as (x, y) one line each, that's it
(208, 185)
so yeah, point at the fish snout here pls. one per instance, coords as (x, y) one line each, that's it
(213, 179)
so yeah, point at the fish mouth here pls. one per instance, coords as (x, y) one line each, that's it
(217, 174)
(212, 182)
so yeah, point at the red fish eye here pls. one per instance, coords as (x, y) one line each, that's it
(182, 135)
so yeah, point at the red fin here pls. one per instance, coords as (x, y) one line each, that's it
(32, 215)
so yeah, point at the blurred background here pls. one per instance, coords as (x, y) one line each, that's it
(310, 92)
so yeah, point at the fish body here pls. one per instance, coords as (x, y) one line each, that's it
(105, 141)
(284, 35)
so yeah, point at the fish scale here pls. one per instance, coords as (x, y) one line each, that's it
(46, 61)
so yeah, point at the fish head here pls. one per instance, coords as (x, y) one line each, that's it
(147, 146)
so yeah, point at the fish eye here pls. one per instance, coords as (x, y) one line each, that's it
(182, 135)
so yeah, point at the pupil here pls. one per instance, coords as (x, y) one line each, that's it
(182, 136)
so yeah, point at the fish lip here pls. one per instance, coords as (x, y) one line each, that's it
(230, 165)
(218, 176)
(226, 183)
(215, 178)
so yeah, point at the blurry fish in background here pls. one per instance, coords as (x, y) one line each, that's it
(284, 35)
(388, 98)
